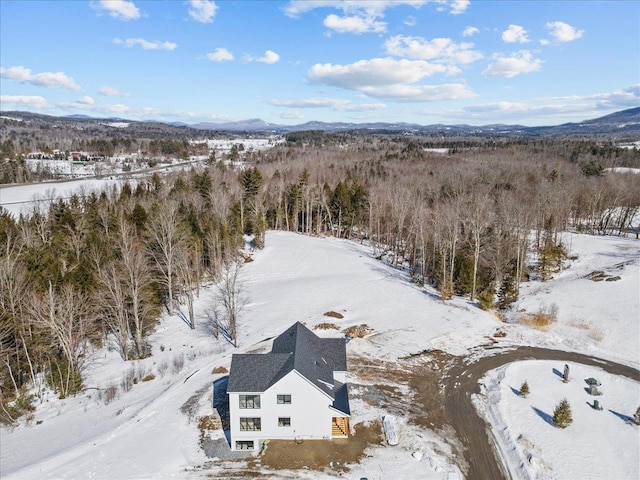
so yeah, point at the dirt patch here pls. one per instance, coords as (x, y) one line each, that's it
(334, 454)
(333, 314)
(599, 275)
(357, 331)
(326, 326)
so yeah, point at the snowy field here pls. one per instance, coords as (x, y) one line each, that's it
(142, 433)
(17, 199)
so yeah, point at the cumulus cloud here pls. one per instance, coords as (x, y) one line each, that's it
(31, 101)
(145, 44)
(563, 32)
(109, 92)
(515, 34)
(459, 6)
(388, 78)
(21, 74)
(470, 31)
(442, 50)
(360, 16)
(202, 11)
(269, 57)
(354, 24)
(120, 9)
(512, 65)
(220, 54)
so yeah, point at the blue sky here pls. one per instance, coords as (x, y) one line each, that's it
(418, 61)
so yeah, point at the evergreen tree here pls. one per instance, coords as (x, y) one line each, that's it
(508, 292)
(524, 389)
(562, 417)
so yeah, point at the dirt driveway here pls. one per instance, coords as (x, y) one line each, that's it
(432, 390)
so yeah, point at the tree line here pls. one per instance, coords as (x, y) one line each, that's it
(99, 268)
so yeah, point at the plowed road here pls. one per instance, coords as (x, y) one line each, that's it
(473, 432)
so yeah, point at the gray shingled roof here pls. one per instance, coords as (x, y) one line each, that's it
(297, 348)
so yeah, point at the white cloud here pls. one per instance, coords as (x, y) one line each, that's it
(544, 110)
(563, 32)
(87, 104)
(269, 57)
(145, 44)
(371, 7)
(420, 93)
(45, 79)
(443, 50)
(86, 100)
(120, 9)
(410, 21)
(470, 31)
(109, 92)
(459, 6)
(354, 24)
(512, 65)
(388, 78)
(515, 34)
(336, 104)
(32, 101)
(220, 54)
(360, 16)
(202, 11)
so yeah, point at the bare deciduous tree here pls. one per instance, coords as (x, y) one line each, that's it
(230, 301)
(167, 243)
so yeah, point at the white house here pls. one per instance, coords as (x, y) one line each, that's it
(297, 391)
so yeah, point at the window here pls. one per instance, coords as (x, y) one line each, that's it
(284, 421)
(249, 401)
(284, 399)
(244, 445)
(250, 424)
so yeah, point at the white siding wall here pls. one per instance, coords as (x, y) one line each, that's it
(309, 412)
(340, 376)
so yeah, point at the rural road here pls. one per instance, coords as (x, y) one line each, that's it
(473, 432)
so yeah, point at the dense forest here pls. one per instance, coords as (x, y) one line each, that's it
(98, 269)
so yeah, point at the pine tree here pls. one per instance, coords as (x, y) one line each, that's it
(524, 389)
(562, 417)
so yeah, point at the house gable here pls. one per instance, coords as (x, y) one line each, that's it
(293, 391)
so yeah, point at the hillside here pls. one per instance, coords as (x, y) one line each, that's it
(300, 278)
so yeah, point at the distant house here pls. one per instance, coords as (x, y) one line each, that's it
(297, 391)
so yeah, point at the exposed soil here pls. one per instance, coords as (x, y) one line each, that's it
(431, 389)
(439, 397)
(333, 455)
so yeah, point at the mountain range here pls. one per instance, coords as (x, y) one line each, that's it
(624, 125)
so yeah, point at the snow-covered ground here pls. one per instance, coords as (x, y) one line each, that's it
(599, 444)
(597, 314)
(142, 433)
(17, 199)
